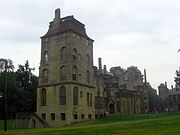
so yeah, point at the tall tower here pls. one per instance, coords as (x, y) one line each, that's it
(66, 90)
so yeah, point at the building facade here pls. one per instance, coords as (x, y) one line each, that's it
(170, 98)
(71, 89)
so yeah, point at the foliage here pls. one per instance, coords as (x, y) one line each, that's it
(21, 89)
(9, 124)
(154, 100)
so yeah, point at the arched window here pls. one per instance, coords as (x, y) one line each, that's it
(63, 53)
(74, 73)
(75, 96)
(87, 60)
(87, 77)
(63, 73)
(62, 95)
(45, 76)
(74, 54)
(43, 97)
(46, 57)
(79, 57)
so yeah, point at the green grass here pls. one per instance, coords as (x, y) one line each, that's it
(169, 126)
(136, 117)
(9, 124)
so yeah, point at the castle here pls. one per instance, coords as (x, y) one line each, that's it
(71, 89)
(170, 98)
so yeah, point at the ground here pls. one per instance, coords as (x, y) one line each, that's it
(159, 124)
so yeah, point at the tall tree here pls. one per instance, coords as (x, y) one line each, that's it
(27, 82)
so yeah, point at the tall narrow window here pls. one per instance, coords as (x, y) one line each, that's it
(87, 99)
(87, 60)
(45, 76)
(63, 53)
(43, 97)
(46, 57)
(63, 73)
(74, 54)
(74, 73)
(62, 95)
(87, 77)
(75, 96)
(90, 99)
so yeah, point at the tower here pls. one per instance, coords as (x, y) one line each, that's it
(66, 92)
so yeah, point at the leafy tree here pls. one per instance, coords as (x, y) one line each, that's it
(21, 89)
(27, 82)
(154, 100)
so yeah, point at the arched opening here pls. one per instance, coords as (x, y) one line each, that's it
(33, 123)
(43, 97)
(63, 73)
(63, 53)
(46, 57)
(111, 109)
(75, 96)
(87, 77)
(45, 76)
(74, 54)
(62, 95)
(74, 73)
(87, 60)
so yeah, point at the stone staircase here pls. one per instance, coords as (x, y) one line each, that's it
(29, 120)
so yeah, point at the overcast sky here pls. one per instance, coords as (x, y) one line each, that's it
(143, 33)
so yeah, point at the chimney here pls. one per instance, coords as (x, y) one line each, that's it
(104, 69)
(100, 65)
(57, 14)
(172, 87)
(165, 84)
(145, 79)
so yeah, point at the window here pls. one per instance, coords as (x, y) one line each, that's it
(63, 116)
(82, 116)
(63, 73)
(43, 116)
(89, 116)
(87, 60)
(46, 57)
(52, 116)
(74, 73)
(63, 53)
(91, 99)
(43, 97)
(75, 96)
(87, 77)
(74, 54)
(79, 57)
(62, 95)
(81, 94)
(45, 76)
(87, 99)
(75, 116)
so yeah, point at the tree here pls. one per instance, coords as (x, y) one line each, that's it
(27, 82)
(154, 100)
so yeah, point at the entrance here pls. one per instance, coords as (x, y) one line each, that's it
(111, 108)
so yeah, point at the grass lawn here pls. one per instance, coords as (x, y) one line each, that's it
(169, 126)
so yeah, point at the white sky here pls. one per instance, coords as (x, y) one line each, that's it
(143, 33)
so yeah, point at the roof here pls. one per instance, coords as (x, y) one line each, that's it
(69, 23)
